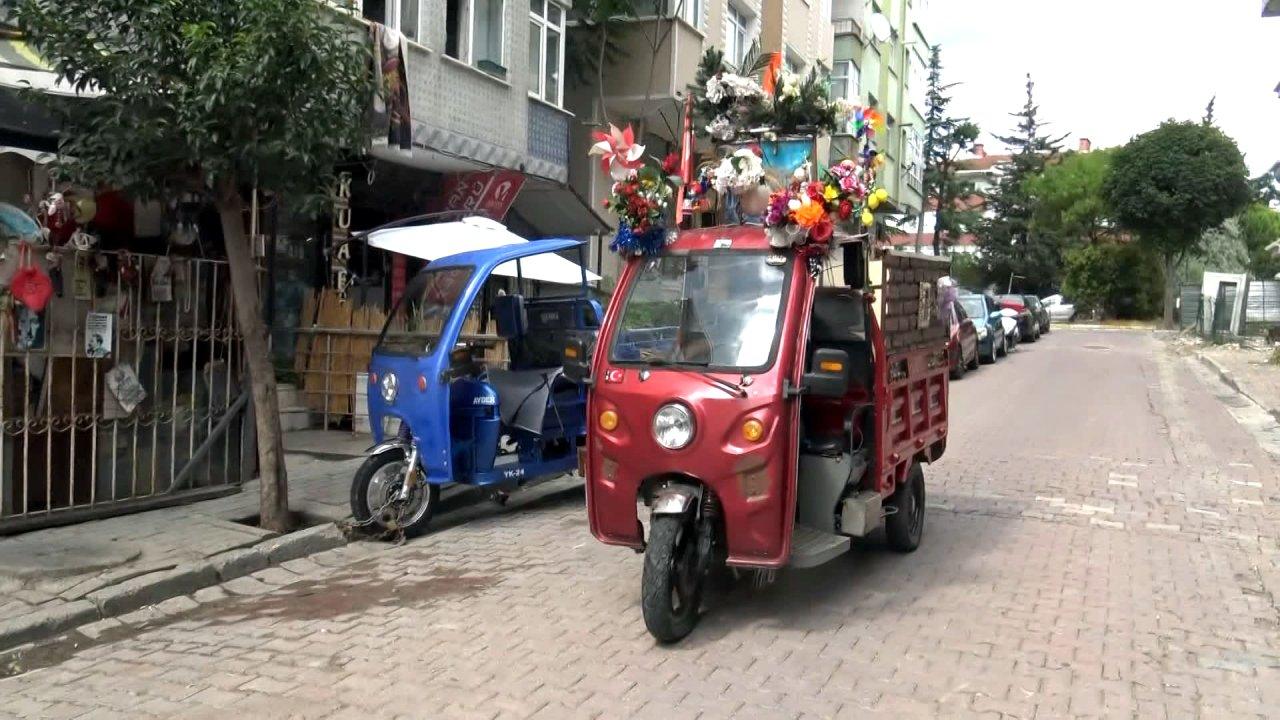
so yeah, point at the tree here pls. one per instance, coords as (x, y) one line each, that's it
(1267, 186)
(1208, 111)
(1170, 185)
(1009, 244)
(1119, 279)
(945, 138)
(1068, 199)
(1259, 227)
(592, 42)
(215, 97)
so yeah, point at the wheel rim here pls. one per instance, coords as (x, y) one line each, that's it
(380, 495)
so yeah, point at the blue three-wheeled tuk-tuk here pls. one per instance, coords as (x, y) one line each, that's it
(461, 418)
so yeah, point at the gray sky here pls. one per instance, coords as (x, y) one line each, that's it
(1111, 69)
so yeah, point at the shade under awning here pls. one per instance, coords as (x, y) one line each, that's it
(557, 211)
(432, 242)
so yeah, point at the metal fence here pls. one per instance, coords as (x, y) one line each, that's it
(126, 392)
(1221, 318)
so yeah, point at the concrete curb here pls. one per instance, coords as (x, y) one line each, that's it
(157, 586)
(1227, 377)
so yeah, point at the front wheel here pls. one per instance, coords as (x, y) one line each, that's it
(960, 366)
(375, 496)
(671, 586)
(905, 525)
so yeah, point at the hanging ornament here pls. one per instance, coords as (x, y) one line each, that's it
(619, 154)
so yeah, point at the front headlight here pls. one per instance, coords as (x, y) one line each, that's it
(982, 332)
(389, 387)
(673, 426)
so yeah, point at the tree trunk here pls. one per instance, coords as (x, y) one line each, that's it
(1170, 290)
(274, 501)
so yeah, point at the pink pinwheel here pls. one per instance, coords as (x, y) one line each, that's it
(620, 156)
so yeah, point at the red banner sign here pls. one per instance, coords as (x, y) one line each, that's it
(488, 191)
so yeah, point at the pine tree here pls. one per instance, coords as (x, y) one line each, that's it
(1208, 111)
(945, 138)
(1009, 243)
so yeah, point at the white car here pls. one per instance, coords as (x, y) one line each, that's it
(1059, 309)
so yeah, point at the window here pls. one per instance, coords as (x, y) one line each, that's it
(546, 51)
(795, 63)
(399, 15)
(737, 35)
(844, 80)
(691, 12)
(913, 161)
(473, 34)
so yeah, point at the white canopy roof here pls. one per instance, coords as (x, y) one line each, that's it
(432, 242)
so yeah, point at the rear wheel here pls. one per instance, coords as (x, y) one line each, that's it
(905, 525)
(671, 586)
(977, 358)
(960, 366)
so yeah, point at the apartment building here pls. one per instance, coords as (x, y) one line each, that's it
(880, 58)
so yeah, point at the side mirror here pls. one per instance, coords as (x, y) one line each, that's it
(577, 366)
(830, 374)
(996, 315)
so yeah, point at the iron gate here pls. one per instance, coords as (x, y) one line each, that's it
(125, 392)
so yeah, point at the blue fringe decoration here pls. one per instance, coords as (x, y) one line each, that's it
(649, 242)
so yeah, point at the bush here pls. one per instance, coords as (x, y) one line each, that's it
(1122, 280)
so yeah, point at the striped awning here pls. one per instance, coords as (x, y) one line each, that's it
(22, 67)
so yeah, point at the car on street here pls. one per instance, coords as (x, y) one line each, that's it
(964, 343)
(985, 314)
(1027, 325)
(1059, 309)
(1039, 312)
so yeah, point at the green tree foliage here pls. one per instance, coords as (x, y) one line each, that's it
(1008, 240)
(1069, 203)
(1120, 280)
(945, 138)
(215, 97)
(1259, 228)
(1222, 249)
(1170, 185)
(593, 39)
(1267, 186)
(966, 271)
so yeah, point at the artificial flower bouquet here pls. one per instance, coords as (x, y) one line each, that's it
(807, 212)
(642, 194)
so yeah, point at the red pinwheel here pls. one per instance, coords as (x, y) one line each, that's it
(620, 156)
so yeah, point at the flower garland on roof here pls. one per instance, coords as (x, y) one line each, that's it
(759, 98)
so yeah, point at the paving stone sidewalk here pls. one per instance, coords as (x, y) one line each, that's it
(1249, 371)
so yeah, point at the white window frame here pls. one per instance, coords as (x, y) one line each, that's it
(736, 17)
(849, 78)
(691, 12)
(469, 59)
(541, 21)
(393, 9)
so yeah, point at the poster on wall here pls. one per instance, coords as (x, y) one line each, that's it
(97, 334)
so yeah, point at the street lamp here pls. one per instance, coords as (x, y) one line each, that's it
(1011, 277)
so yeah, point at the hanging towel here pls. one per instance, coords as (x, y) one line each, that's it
(391, 97)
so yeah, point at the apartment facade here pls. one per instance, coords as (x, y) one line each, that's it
(880, 58)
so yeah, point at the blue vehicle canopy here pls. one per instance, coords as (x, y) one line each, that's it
(419, 375)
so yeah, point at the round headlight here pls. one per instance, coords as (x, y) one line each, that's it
(389, 387)
(673, 426)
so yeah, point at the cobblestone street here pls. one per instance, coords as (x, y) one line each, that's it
(1102, 542)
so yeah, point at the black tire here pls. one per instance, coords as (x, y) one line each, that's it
(1004, 346)
(1035, 335)
(991, 358)
(905, 526)
(977, 358)
(960, 367)
(670, 594)
(360, 509)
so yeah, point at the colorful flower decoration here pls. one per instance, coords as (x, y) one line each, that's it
(805, 214)
(620, 156)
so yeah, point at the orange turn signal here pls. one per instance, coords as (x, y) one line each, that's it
(608, 420)
(752, 430)
(373, 378)
(831, 366)
(571, 352)
(422, 383)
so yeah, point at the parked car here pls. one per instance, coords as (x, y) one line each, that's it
(1027, 325)
(964, 343)
(1038, 312)
(1059, 309)
(985, 314)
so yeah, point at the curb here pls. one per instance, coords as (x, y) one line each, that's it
(1226, 377)
(158, 586)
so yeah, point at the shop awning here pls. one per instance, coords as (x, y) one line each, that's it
(22, 67)
(38, 157)
(432, 242)
(555, 210)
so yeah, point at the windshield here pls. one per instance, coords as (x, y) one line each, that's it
(973, 307)
(428, 301)
(717, 310)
